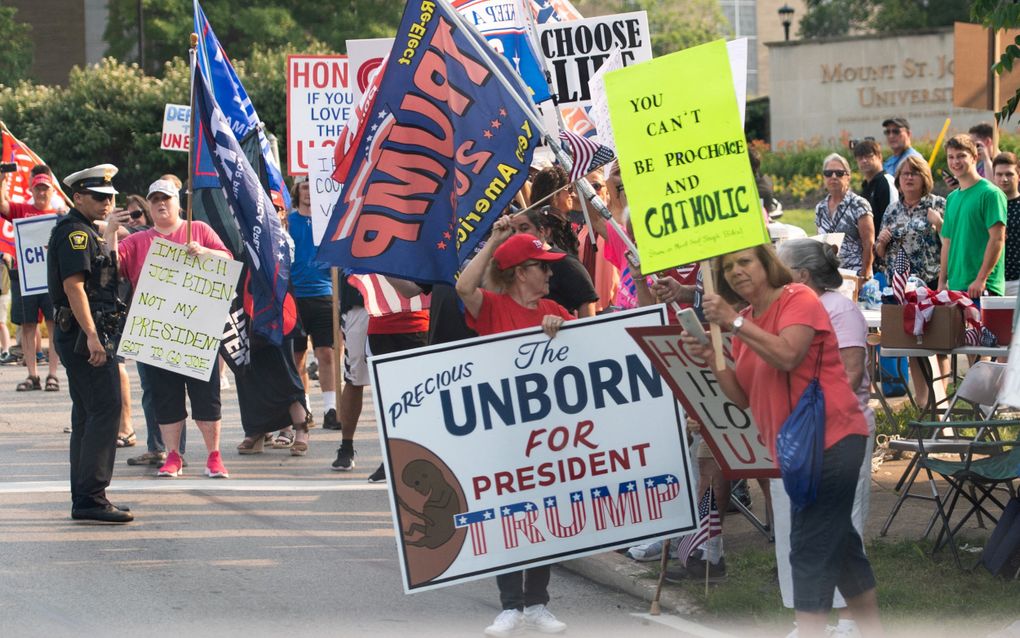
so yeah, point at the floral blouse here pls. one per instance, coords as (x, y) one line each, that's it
(844, 220)
(912, 232)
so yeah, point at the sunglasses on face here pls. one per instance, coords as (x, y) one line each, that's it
(892, 131)
(136, 214)
(101, 197)
(835, 173)
(544, 266)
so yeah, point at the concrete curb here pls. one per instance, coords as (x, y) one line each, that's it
(616, 571)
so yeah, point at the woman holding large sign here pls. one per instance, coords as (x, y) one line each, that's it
(782, 341)
(520, 266)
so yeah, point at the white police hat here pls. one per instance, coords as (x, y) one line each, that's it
(97, 179)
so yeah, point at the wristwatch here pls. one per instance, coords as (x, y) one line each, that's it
(738, 323)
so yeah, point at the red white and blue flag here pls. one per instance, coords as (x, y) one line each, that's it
(709, 526)
(588, 154)
(439, 152)
(900, 274)
(382, 299)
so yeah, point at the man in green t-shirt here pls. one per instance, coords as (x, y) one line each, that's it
(974, 231)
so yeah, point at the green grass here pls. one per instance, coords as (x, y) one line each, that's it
(912, 588)
(802, 217)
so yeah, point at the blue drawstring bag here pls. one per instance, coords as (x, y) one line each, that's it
(801, 442)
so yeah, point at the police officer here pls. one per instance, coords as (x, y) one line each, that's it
(77, 258)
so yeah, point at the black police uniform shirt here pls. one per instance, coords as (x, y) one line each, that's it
(75, 246)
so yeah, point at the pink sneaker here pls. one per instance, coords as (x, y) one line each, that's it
(173, 466)
(214, 466)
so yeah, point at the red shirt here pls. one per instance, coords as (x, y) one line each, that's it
(500, 313)
(22, 211)
(132, 250)
(766, 386)
(399, 323)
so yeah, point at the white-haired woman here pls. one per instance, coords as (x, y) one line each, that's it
(843, 211)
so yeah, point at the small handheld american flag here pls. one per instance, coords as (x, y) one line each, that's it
(900, 274)
(709, 526)
(588, 155)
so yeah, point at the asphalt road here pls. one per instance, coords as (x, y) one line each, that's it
(283, 547)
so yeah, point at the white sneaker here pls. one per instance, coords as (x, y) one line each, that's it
(846, 628)
(539, 618)
(507, 623)
(647, 552)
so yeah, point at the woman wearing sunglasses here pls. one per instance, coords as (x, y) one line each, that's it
(843, 211)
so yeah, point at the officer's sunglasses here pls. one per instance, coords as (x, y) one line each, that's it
(101, 197)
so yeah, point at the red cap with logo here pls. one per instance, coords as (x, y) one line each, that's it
(520, 248)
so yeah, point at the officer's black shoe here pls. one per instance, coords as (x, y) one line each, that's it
(105, 514)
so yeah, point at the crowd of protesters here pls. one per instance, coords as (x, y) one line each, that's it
(543, 265)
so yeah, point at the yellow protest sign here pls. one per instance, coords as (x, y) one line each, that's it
(683, 158)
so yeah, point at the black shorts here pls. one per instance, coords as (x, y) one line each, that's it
(398, 342)
(316, 315)
(26, 309)
(168, 392)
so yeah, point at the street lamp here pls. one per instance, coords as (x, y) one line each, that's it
(786, 15)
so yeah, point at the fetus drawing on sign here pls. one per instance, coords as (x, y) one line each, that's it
(441, 505)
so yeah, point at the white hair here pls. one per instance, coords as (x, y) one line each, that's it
(836, 157)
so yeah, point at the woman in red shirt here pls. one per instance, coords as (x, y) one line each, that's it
(780, 340)
(519, 265)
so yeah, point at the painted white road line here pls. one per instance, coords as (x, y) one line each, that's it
(686, 626)
(198, 485)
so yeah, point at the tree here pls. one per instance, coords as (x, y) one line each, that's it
(828, 18)
(243, 26)
(16, 53)
(674, 25)
(1002, 14)
(825, 18)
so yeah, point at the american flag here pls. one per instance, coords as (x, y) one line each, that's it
(709, 526)
(655, 497)
(475, 521)
(578, 516)
(381, 298)
(602, 501)
(512, 524)
(588, 155)
(900, 274)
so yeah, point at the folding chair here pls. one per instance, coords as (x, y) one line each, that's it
(975, 479)
(979, 388)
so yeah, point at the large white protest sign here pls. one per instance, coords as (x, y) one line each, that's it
(179, 309)
(319, 101)
(599, 112)
(575, 50)
(31, 239)
(514, 450)
(729, 431)
(176, 128)
(323, 189)
(365, 57)
(737, 50)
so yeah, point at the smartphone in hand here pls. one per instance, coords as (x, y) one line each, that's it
(689, 321)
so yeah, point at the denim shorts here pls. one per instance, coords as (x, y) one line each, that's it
(825, 549)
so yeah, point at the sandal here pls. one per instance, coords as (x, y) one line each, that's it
(300, 448)
(284, 439)
(31, 383)
(251, 445)
(53, 385)
(126, 441)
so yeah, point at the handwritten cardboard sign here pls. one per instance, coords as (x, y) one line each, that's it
(684, 159)
(31, 240)
(178, 310)
(322, 188)
(729, 431)
(514, 450)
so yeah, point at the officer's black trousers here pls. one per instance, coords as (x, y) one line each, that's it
(95, 420)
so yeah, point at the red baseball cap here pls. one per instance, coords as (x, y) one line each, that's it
(42, 178)
(520, 248)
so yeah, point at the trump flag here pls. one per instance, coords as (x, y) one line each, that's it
(439, 151)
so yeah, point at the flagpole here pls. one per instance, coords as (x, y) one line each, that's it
(193, 136)
(588, 193)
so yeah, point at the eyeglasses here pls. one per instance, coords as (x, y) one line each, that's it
(101, 197)
(892, 131)
(909, 174)
(543, 265)
(832, 173)
(136, 214)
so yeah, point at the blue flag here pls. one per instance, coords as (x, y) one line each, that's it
(265, 251)
(442, 151)
(506, 31)
(235, 104)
